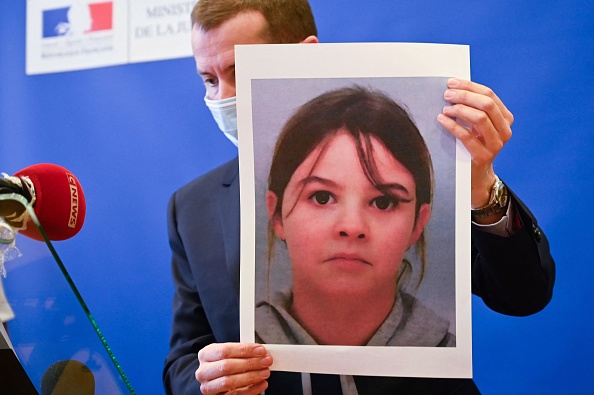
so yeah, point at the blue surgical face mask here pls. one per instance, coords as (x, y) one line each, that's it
(224, 113)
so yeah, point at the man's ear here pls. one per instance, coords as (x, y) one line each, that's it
(274, 219)
(310, 40)
(422, 219)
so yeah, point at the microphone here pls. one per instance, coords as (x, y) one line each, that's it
(56, 196)
(68, 377)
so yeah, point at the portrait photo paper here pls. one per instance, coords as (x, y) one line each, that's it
(313, 249)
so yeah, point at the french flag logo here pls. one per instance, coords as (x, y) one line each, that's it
(78, 19)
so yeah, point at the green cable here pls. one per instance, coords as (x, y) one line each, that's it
(24, 202)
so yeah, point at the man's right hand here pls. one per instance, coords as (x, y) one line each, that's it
(233, 368)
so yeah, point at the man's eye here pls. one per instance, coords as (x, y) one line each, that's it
(210, 82)
(384, 202)
(321, 197)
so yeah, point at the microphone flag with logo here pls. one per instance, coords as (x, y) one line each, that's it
(57, 199)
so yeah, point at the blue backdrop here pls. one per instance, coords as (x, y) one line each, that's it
(133, 134)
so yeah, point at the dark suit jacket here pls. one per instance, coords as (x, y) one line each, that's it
(513, 275)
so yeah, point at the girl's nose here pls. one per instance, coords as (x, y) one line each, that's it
(345, 234)
(352, 224)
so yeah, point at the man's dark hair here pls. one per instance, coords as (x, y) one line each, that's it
(289, 21)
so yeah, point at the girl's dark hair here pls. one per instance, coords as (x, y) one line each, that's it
(362, 113)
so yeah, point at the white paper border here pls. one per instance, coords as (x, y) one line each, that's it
(351, 61)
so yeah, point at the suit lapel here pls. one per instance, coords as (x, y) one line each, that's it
(229, 213)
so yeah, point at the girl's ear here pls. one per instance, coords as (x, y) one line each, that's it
(422, 219)
(274, 219)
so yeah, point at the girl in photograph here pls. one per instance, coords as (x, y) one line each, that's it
(349, 193)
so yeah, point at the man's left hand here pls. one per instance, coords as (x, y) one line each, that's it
(489, 128)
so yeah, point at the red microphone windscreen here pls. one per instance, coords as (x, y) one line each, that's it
(60, 205)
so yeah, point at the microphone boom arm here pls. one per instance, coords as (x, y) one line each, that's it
(21, 199)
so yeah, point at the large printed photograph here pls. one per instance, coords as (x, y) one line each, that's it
(352, 213)
(354, 228)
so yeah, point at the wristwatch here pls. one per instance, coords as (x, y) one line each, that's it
(497, 201)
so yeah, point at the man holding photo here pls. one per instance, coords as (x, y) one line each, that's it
(512, 269)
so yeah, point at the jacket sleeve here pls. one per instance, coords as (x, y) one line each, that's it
(190, 329)
(513, 275)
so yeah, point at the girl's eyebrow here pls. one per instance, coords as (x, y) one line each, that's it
(393, 186)
(321, 180)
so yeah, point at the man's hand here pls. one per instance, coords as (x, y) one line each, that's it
(490, 121)
(233, 368)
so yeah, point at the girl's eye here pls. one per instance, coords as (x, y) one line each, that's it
(321, 197)
(384, 202)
